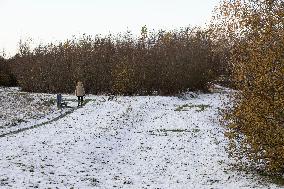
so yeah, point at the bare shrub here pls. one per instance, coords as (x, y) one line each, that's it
(6, 76)
(167, 62)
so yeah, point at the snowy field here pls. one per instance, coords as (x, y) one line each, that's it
(20, 110)
(125, 142)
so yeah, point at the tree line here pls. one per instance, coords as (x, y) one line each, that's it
(163, 62)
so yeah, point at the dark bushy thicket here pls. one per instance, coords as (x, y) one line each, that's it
(161, 62)
(6, 76)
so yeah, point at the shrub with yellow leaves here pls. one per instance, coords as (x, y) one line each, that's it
(123, 79)
(255, 122)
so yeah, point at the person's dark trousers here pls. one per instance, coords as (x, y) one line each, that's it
(80, 100)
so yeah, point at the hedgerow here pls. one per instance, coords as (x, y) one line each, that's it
(164, 62)
(6, 76)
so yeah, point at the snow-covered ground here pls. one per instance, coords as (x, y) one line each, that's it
(19, 110)
(125, 142)
(20, 107)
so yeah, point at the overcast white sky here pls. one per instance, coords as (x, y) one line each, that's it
(51, 20)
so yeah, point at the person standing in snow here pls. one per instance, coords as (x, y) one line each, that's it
(80, 93)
